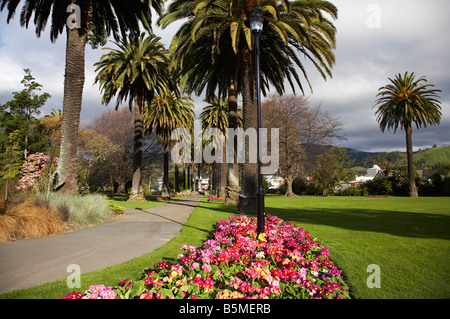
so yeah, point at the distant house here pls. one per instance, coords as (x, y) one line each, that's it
(274, 182)
(371, 173)
(201, 184)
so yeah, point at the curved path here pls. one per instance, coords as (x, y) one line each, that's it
(30, 262)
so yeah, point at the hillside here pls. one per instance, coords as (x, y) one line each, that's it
(424, 159)
(433, 156)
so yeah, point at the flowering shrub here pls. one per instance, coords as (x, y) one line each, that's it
(162, 197)
(284, 263)
(169, 197)
(94, 292)
(32, 170)
(215, 198)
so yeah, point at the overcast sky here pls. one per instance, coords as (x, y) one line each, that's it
(375, 40)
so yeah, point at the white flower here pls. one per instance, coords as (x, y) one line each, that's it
(260, 255)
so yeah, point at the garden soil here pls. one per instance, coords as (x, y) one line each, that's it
(30, 262)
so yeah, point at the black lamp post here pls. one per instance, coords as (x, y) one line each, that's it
(256, 26)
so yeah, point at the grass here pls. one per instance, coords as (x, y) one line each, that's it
(408, 238)
(151, 202)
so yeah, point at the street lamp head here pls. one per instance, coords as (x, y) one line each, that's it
(256, 22)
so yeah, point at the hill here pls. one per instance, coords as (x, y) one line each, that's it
(423, 159)
(433, 156)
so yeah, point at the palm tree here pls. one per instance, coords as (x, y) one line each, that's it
(163, 114)
(135, 71)
(216, 114)
(116, 17)
(216, 33)
(403, 102)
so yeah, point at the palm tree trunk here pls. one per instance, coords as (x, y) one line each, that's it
(247, 197)
(137, 192)
(233, 181)
(66, 175)
(165, 191)
(233, 167)
(223, 170)
(183, 180)
(189, 177)
(177, 178)
(409, 154)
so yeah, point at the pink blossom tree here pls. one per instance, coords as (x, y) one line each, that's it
(36, 171)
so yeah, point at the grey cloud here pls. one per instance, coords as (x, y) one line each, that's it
(411, 38)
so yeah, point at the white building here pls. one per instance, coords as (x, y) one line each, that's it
(370, 174)
(274, 182)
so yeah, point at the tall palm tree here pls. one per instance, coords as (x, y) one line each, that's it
(403, 102)
(163, 114)
(116, 17)
(135, 71)
(217, 33)
(216, 114)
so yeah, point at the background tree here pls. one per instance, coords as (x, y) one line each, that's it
(109, 15)
(302, 131)
(105, 151)
(11, 166)
(403, 102)
(135, 71)
(52, 125)
(162, 115)
(332, 168)
(21, 114)
(285, 114)
(99, 153)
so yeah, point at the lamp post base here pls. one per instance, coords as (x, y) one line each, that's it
(260, 210)
(247, 205)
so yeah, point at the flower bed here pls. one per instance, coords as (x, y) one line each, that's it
(236, 264)
(169, 197)
(215, 198)
(162, 197)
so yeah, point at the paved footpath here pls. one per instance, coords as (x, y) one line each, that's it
(30, 262)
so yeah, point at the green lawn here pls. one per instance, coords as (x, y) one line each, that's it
(408, 238)
(151, 202)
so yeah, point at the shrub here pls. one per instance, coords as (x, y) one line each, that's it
(351, 191)
(117, 209)
(30, 219)
(89, 209)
